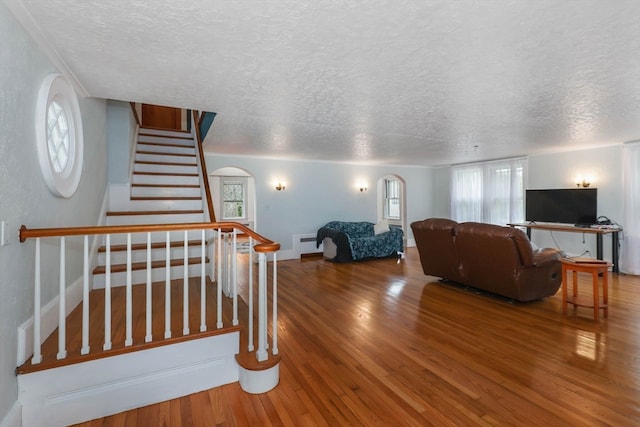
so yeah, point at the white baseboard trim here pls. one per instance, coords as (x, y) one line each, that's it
(14, 417)
(103, 387)
(286, 254)
(49, 320)
(411, 243)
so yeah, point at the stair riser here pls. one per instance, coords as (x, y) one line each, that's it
(170, 141)
(164, 205)
(187, 161)
(156, 237)
(154, 219)
(120, 257)
(166, 149)
(166, 132)
(165, 192)
(140, 276)
(165, 179)
(141, 167)
(102, 387)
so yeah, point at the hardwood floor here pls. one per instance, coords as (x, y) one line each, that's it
(379, 343)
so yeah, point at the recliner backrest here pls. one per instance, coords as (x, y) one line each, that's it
(435, 240)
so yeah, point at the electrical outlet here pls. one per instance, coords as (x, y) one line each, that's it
(4, 233)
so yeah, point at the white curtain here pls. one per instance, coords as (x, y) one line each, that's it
(630, 253)
(490, 192)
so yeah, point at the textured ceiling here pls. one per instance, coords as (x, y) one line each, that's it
(425, 82)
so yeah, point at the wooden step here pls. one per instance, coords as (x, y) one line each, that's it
(118, 295)
(162, 144)
(177, 198)
(143, 246)
(165, 173)
(166, 185)
(149, 162)
(160, 153)
(176, 212)
(159, 135)
(120, 268)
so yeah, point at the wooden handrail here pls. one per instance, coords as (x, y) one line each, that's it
(264, 244)
(205, 175)
(135, 113)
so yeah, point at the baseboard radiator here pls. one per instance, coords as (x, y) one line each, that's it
(305, 245)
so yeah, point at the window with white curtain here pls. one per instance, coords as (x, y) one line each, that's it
(630, 254)
(490, 192)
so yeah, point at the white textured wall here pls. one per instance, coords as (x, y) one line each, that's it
(24, 197)
(121, 127)
(559, 171)
(319, 192)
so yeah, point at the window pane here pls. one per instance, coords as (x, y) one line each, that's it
(233, 200)
(392, 199)
(491, 192)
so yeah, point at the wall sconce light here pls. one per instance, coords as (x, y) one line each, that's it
(363, 188)
(583, 182)
(280, 186)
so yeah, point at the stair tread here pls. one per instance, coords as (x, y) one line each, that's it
(142, 198)
(166, 144)
(142, 265)
(157, 135)
(158, 212)
(164, 173)
(164, 153)
(155, 245)
(150, 162)
(167, 185)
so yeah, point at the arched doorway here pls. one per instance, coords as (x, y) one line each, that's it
(233, 192)
(392, 201)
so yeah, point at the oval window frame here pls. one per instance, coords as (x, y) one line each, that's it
(56, 88)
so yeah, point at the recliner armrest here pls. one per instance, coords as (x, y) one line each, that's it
(545, 256)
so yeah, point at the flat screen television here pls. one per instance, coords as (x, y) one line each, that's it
(577, 206)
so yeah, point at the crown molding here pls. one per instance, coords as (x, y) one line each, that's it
(23, 16)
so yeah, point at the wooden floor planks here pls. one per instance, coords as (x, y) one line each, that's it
(378, 343)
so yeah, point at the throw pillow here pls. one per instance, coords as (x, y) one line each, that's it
(381, 227)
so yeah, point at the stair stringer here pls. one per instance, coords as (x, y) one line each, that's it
(102, 387)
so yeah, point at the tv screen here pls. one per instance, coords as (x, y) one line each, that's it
(566, 205)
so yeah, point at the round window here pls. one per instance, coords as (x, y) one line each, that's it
(59, 136)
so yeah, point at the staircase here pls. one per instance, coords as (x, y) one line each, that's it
(148, 323)
(165, 188)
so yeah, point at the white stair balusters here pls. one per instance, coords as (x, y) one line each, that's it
(167, 288)
(203, 282)
(62, 316)
(85, 296)
(274, 306)
(219, 279)
(185, 286)
(148, 337)
(37, 346)
(128, 298)
(107, 296)
(250, 302)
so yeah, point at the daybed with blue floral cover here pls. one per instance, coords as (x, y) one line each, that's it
(358, 240)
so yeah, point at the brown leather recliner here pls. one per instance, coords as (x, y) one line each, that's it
(496, 259)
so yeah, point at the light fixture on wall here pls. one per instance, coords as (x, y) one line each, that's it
(363, 188)
(583, 182)
(280, 186)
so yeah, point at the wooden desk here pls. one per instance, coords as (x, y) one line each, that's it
(599, 232)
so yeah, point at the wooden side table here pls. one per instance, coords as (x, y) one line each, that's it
(594, 267)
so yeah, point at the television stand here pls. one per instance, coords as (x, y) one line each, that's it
(599, 232)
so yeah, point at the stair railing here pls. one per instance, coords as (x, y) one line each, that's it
(223, 249)
(203, 166)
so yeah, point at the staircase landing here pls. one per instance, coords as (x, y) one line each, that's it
(96, 323)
